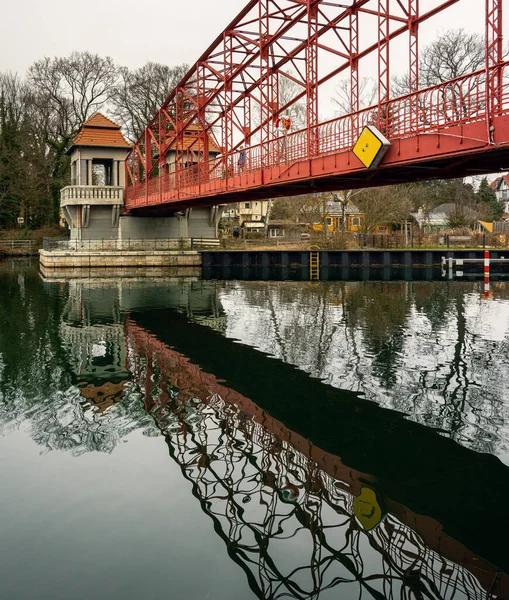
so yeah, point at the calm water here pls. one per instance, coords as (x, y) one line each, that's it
(221, 440)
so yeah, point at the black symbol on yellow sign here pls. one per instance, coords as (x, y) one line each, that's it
(370, 147)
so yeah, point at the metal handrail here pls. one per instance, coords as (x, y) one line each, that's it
(452, 103)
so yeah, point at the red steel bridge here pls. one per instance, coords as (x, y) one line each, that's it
(230, 105)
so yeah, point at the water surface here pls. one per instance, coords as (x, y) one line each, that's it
(165, 437)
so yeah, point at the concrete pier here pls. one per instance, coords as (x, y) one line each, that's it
(58, 259)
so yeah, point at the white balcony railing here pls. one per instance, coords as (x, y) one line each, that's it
(91, 194)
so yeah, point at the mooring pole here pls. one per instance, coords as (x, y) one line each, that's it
(486, 273)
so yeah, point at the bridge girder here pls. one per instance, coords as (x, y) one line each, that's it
(233, 94)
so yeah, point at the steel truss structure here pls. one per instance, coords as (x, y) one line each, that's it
(232, 97)
(265, 486)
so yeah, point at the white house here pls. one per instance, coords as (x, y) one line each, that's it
(501, 188)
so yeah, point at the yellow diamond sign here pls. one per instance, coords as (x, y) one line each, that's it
(371, 147)
(366, 509)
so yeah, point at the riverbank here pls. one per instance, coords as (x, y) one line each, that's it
(26, 242)
(207, 259)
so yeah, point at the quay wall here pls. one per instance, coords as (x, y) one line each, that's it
(256, 258)
(56, 259)
(340, 258)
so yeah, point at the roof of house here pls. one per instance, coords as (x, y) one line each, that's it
(334, 208)
(284, 223)
(495, 184)
(105, 395)
(451, 209)
(100, 120)
(191, 139)
(100, 131)
(431, 218)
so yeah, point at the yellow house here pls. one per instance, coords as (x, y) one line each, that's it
(334, 217)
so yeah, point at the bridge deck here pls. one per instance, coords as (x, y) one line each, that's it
(440, 132)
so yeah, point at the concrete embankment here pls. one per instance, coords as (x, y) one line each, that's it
(265, 259)
(57, 259)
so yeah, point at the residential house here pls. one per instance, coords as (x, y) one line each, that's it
(287, 228)
(251, 215)
(442, 216)
(334, 215)
(457, 212)
(430, 220)
(501, 188)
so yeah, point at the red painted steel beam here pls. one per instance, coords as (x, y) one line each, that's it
(335, 72)
(232, 93)
(494, 53)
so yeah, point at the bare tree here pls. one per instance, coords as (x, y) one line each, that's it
(454, 53)
(13, 92)
(289, 207)
(65, 93)
(140, 93)
(342, 95)
(288, 90)
(73, 87)
(383, 206)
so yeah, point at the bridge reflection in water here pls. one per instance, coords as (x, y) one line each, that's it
(405, 512)
(299, 522)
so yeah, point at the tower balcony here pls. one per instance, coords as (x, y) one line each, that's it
(105, 195)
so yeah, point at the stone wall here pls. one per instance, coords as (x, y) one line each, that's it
(76, 260)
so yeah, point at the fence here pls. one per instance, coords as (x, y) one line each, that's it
(359, 241)
(142, 245)
(17, 246)
(348, 241)
(439, 239)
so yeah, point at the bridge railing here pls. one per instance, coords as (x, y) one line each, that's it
(450, 104)
(94, 193)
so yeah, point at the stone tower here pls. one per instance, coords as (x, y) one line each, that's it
(93, 202)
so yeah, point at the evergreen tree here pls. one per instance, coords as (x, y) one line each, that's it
(10, 166)
(491, 208)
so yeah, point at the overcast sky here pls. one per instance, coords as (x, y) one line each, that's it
(134, 32)
(131, 32)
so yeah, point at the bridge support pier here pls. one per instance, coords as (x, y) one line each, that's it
(193, 223)
(138, 228)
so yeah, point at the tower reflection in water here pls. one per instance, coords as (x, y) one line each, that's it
(298, 522)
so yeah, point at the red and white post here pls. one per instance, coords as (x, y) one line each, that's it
(486, 273)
